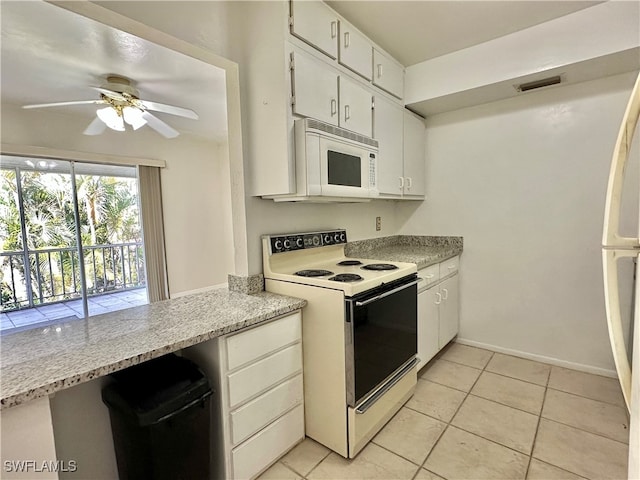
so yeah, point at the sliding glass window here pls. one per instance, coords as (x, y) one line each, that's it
(71, 241)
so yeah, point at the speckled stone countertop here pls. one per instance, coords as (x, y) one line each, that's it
(418, 249)
(41, 361)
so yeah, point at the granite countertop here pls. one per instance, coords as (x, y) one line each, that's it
(41, 361)
(421, 250)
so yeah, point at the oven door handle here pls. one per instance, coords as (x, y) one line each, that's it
(386, 294)
(368, 403)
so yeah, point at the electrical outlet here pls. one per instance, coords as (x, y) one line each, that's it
(378, 224)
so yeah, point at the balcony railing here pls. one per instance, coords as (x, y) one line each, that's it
(49, 275)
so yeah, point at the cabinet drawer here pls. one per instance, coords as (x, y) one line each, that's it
(265, 447)
(428, 276)
(449, 266)
(261, 375)
(245, 347)
(258, 413)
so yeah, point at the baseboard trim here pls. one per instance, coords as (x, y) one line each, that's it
(540, 358)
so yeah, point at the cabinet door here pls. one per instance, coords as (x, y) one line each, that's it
(316, 24)
(355, 50)
(387, 129)
(388, 74)
(414, 154)
(449, 310)
(315, 89)
(355, 107)
(428, 326)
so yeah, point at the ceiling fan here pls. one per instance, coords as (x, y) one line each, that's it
(123, 106)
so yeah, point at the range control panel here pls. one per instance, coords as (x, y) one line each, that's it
(301, 241)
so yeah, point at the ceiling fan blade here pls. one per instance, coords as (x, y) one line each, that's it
(61, 104)
(96, 127)
(161, 107)
(110, 93)
(159, 126)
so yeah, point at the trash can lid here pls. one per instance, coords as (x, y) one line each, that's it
(153, 390)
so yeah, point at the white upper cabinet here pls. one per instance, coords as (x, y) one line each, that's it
(388, 74)
(315, 89)
(356, 51)
(355, 107)
(414, 154)
(387, 129)
(315, 23)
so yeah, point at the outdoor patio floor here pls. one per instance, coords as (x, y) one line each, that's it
(28, 318)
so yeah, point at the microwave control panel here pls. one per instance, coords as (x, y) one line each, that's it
(301, 241)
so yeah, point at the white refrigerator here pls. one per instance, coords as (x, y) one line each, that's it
(617, 253)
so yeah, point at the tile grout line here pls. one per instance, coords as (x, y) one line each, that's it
(329, 452)
(452, 417)
(535, 436)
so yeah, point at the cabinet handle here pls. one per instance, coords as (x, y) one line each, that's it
(347, 112)
(431, 275)
(445, 293)
(346, 39)
(401, 182)
(439, 301)
(334, 29)
(379, 70)
(334, 107)
(451, 267)
(409, 183)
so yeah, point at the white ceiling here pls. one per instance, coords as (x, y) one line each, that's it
(415, 31)
(49, 54)
(52, 55)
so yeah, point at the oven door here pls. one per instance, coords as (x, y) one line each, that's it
(346, 170)
(381, 337)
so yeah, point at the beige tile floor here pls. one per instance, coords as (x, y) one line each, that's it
(477, 414)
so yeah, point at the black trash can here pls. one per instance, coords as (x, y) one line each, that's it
(159, 414)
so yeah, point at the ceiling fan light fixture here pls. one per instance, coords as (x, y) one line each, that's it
(133, 116)
(111, 118)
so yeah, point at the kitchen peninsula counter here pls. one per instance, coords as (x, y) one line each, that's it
(44, 360)
(421, 250)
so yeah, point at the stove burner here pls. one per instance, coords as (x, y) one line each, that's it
(346, 277)
(380, 266)
(313, 273)
(349, 263)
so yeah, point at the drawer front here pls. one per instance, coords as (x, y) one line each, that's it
(449, 266)
(428, 276)
(258, 413)
(245, 347)
(263, 374)
(264, 448)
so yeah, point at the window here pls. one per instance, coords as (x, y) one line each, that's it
(71, 241)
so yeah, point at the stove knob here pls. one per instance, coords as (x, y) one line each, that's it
(287, 244)
(316, 241)
(299, 242)
(327, 239)
(277, 244)
(343, 237)
(336, 238)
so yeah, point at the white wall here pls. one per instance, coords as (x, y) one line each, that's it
(523, 181)
(195, 188)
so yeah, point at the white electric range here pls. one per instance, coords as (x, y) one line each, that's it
(359, 334)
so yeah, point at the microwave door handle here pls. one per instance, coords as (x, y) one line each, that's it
(386, 294)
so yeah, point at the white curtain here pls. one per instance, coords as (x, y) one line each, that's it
(153, 233)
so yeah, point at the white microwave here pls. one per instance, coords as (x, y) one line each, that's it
(334, 162)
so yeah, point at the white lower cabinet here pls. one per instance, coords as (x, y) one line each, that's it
(438, 308)
(258, 412)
